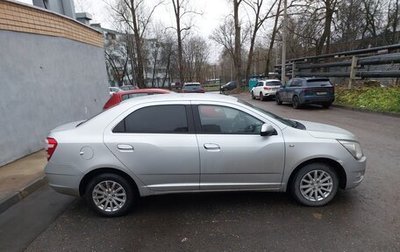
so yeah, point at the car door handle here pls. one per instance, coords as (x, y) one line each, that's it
(125, 147)
(211, 146)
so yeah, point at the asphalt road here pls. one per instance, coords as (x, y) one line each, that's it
(363, 219)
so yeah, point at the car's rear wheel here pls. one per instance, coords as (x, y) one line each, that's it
(295, 102)
(326, 105)
(261, 96)
(315, 184)
(252, 95)
(278, 99)
(110, 195)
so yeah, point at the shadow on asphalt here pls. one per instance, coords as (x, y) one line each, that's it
(206, 202)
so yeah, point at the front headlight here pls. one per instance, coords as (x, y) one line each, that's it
(353, 147)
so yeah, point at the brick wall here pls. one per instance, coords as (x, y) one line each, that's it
(28, 19)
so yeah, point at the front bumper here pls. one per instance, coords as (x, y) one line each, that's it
(356, 175)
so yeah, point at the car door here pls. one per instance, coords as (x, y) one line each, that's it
(283, 91)
(257, 89)
(157, 142)
(233, 155)
(291, 89)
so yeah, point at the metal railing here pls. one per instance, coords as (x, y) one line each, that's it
(347, 64)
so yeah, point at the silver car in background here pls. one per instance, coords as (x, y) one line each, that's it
(178, 143)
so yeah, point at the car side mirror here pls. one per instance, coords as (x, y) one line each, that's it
(267, 130)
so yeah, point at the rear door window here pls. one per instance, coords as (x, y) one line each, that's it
(170, 119)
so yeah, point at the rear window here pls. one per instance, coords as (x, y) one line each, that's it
(192, 85)
(319, 83)
(273, 83)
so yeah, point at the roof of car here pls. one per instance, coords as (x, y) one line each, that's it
(313, 78)
(144, 90)
(270, 80)
(181, 97)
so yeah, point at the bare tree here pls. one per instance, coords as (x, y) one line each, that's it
(272, 40)
(237, 56)
(181, 9)
(195, 59)
(259, 19)
(136, 17)
(393, 22)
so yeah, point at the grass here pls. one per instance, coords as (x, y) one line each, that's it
(370, 98)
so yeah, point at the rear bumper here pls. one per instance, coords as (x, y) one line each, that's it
(63, 179)
(316, 99)
(269, 93)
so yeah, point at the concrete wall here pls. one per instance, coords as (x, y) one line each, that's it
(52, 71)
(44, 82)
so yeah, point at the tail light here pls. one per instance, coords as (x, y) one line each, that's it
(308, 92)
(51, 145)
(267, 88)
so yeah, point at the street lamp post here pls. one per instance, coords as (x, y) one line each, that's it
(283, 70)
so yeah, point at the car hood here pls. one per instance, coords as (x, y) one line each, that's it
(67, 126)
(320, 130)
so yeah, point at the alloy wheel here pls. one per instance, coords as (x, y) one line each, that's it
(109, 196)
(316, 185)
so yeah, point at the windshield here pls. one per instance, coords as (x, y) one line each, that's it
(191, 86)
(285, 121)
(273, 83)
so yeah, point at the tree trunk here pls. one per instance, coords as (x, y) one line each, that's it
(177, 11)
(271, 44)
(325, 37)
(138, 41)
(237, 59)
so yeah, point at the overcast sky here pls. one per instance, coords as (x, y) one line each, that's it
(213, 14)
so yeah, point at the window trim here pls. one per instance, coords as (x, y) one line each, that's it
(197, 121)
(189, 121)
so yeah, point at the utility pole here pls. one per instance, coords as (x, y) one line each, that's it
(283, 71)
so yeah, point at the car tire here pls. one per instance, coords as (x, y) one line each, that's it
(252, 95)
(110, 195)
(315, 184)
(326, 105)
(295, 102)
(278, 99)
(261, 96)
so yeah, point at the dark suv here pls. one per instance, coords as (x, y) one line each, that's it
(300, 91)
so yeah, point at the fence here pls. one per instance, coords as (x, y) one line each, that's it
(355, 64)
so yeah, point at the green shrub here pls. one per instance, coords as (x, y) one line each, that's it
(370, 98)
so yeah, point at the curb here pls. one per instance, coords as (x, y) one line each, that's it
(366, 111)
(15, 197)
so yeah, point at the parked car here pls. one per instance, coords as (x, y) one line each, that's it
(229, 86)
(113, 90)
(265, 89)
(192, 87)
(179, 143)
(300, 91)
(118, 97)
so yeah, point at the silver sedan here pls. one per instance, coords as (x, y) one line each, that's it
(180, 143)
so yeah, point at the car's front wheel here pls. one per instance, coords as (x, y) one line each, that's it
(315, 184)
(295, 102)
(278, 99)
(110, 195)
